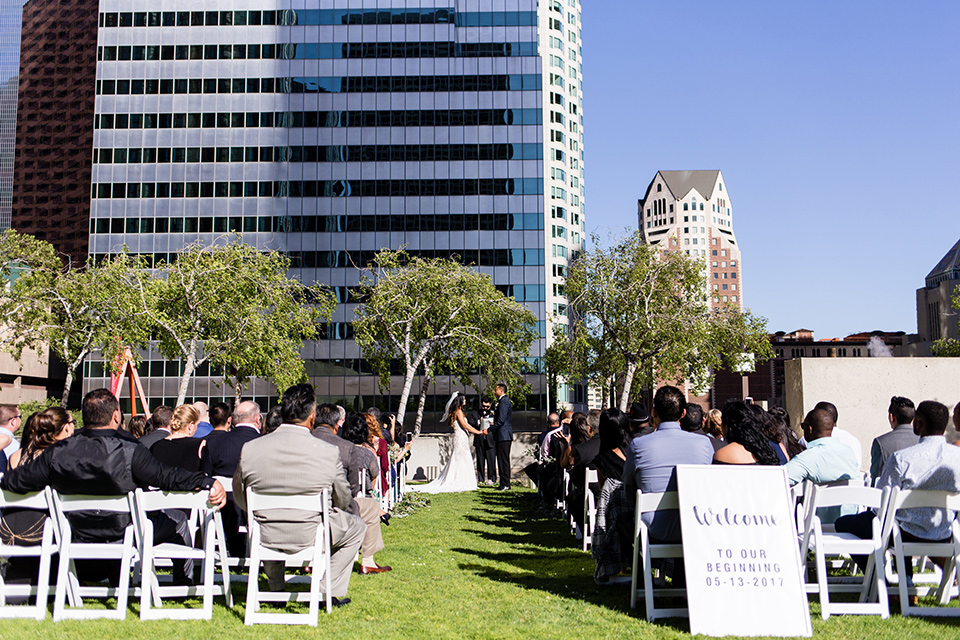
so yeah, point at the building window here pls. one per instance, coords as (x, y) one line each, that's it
(659, 187)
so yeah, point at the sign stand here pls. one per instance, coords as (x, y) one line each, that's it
(124, 368)
(741, 556)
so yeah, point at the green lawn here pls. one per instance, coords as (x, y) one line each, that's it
(477, 565)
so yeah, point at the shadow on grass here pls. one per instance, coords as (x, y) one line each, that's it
(543, 555)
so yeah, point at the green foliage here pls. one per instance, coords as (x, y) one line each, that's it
(72, 311)
(641, 313)
(234, 306)
(949, 347)
(437, 316)
(35, 406)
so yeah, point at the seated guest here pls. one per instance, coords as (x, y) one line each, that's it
(180, 449)
(956, 421)
(640, 424)
(551, 447)
(272, 421)
(355, 430)
(25, 526)
(356, 461)
(614, 433)
(652, 459)
(221, 458)
(775, 437)
(10, 420)
(584, 447)
(693, 422)
(900, 415)
(845, 436)
(203, 425)
(933, 465)
(290, 461)
(138, 426)
(221, 420)
(825, 459)
(746, 437)
(713, 425)
(101, 459)
(26, 435)
(781, 419)
(160, 420)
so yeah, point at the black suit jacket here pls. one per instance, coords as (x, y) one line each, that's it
(223, 453)
(503, 420)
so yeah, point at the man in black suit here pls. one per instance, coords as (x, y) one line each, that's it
(160, 419)
(484, 445)
(223, 455)
(355, 460)
(221, 420)
(692, 422)
(503, 434)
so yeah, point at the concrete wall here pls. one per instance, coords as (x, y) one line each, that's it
(431, 451)
(861, 389)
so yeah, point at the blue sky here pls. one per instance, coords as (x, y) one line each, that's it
(835, 125)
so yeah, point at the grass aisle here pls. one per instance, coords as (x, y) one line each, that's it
(474, 565)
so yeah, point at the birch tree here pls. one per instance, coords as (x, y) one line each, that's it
(437, 315)
(234, 306)
(73, 312)
(650, 309)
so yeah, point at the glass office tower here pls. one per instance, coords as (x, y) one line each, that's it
(10, 17)
(329, 129)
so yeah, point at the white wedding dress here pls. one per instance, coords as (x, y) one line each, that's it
(458, 474)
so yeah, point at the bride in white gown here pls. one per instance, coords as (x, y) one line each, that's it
(458, 474)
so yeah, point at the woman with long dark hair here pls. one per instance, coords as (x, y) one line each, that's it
(747, 437)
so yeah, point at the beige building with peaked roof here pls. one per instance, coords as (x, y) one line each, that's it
(690, 211)
(936, 317)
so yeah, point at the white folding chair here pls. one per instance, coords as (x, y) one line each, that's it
(825, 541)
(642, 546)
(72, 550)
(151, 590)
(317, 556)
(233, 562)
(912, 499)
(589, 508)
(44, 551)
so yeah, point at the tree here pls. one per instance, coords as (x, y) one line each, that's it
(74, 312)
(437, 315)
(645, 312)
(234, 306)
(949, 347)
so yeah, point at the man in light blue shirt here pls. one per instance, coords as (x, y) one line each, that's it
(826, 459)
(652, 460)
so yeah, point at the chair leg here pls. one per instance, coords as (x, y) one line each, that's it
(43, 580)
(822, 584)
(64, 575)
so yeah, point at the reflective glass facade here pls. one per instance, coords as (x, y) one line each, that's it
(10, 17)
(330, 129)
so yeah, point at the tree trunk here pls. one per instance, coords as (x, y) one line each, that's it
(405, 394)
(188, 367)
(66, 388)
(420, 405)
(627, 383)
(237, 392)
(604, 393)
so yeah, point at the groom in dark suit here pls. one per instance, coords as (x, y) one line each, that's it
(503, 434)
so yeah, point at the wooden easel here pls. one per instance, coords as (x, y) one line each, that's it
(124, 368)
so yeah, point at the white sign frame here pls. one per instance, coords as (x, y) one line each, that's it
(741, 556)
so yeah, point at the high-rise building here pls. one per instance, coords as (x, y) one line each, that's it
(330, 129)
(58, 65)
(690, 211)
(10, 16)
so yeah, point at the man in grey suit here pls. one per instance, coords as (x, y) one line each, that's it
(356, 461)
(290, 461)
(900, 415)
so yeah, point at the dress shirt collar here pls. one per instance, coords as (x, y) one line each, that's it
(940, 438)
(665, 426)
(286, 426)
(247, 424)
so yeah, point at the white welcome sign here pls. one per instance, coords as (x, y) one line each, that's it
(740, 552)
